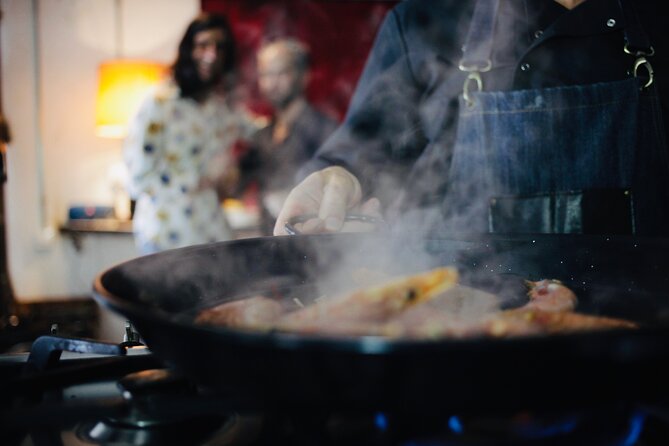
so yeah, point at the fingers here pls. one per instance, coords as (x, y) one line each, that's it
(328, 193)
(340, 193)
(312, 226)
(371, 207)
(297, 203)
(304, 199)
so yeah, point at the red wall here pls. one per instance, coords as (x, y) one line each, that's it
(339, 34)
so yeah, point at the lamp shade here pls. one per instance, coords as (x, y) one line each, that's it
(122, 84)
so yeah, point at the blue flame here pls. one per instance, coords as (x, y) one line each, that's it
(381, 421)
(636, 426)
(455, 424)
(558, 428)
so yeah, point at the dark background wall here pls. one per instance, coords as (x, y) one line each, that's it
(339, 34)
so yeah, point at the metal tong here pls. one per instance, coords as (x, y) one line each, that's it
(291, 230)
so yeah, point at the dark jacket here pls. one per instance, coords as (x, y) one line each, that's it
(407, 96)
(273, 166)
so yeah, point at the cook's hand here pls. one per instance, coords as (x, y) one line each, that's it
(329, 194)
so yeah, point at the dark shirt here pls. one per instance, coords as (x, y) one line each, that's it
(273, 166)
(407, 96)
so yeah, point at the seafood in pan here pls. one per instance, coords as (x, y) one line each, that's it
(427, 305)
(363, 308)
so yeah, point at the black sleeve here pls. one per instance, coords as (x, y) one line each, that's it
(381, 134)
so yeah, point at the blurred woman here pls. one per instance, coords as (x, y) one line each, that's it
(178, 150)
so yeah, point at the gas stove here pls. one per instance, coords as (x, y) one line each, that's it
(71, 391)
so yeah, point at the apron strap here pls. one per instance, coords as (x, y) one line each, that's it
(476, 57)
(636, 40)
(478, 46)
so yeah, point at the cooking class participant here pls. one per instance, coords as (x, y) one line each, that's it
(465, 105)
(178, 148)
(297, 128)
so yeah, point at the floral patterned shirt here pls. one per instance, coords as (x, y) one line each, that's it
(173, 144)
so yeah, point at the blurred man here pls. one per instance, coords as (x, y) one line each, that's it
(295, 131)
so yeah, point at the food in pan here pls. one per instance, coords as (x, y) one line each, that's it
(550, 295)
(256, 311)
(355, 312)
(428, 305)
(549, 310)
(369, 306)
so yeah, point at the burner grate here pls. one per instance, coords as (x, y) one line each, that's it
(106, 394)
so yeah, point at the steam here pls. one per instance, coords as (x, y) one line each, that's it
(416, 131)
(412, 187)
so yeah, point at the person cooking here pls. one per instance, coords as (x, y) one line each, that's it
(178, 149)
(496, 115)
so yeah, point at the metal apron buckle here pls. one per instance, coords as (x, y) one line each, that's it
(473, 76)
(641, 61)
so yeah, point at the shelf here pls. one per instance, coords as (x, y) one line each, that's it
(76, 229)
(96, 226)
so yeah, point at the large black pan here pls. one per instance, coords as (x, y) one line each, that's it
(616, 276)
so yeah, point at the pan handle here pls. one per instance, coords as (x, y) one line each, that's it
(292, 230)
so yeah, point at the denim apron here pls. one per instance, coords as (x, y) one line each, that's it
(575, 159)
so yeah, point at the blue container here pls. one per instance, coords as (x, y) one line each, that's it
(90, 212)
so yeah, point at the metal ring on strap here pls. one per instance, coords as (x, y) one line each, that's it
(486, 66)
(642, 61)
(474, 71)
(474, 76)
(650, 52)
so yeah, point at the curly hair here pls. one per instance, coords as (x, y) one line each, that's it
(184, 70)
(5, 134)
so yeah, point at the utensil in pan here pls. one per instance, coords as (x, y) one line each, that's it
(292, 230)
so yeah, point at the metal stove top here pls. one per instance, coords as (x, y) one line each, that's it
(69, 392)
